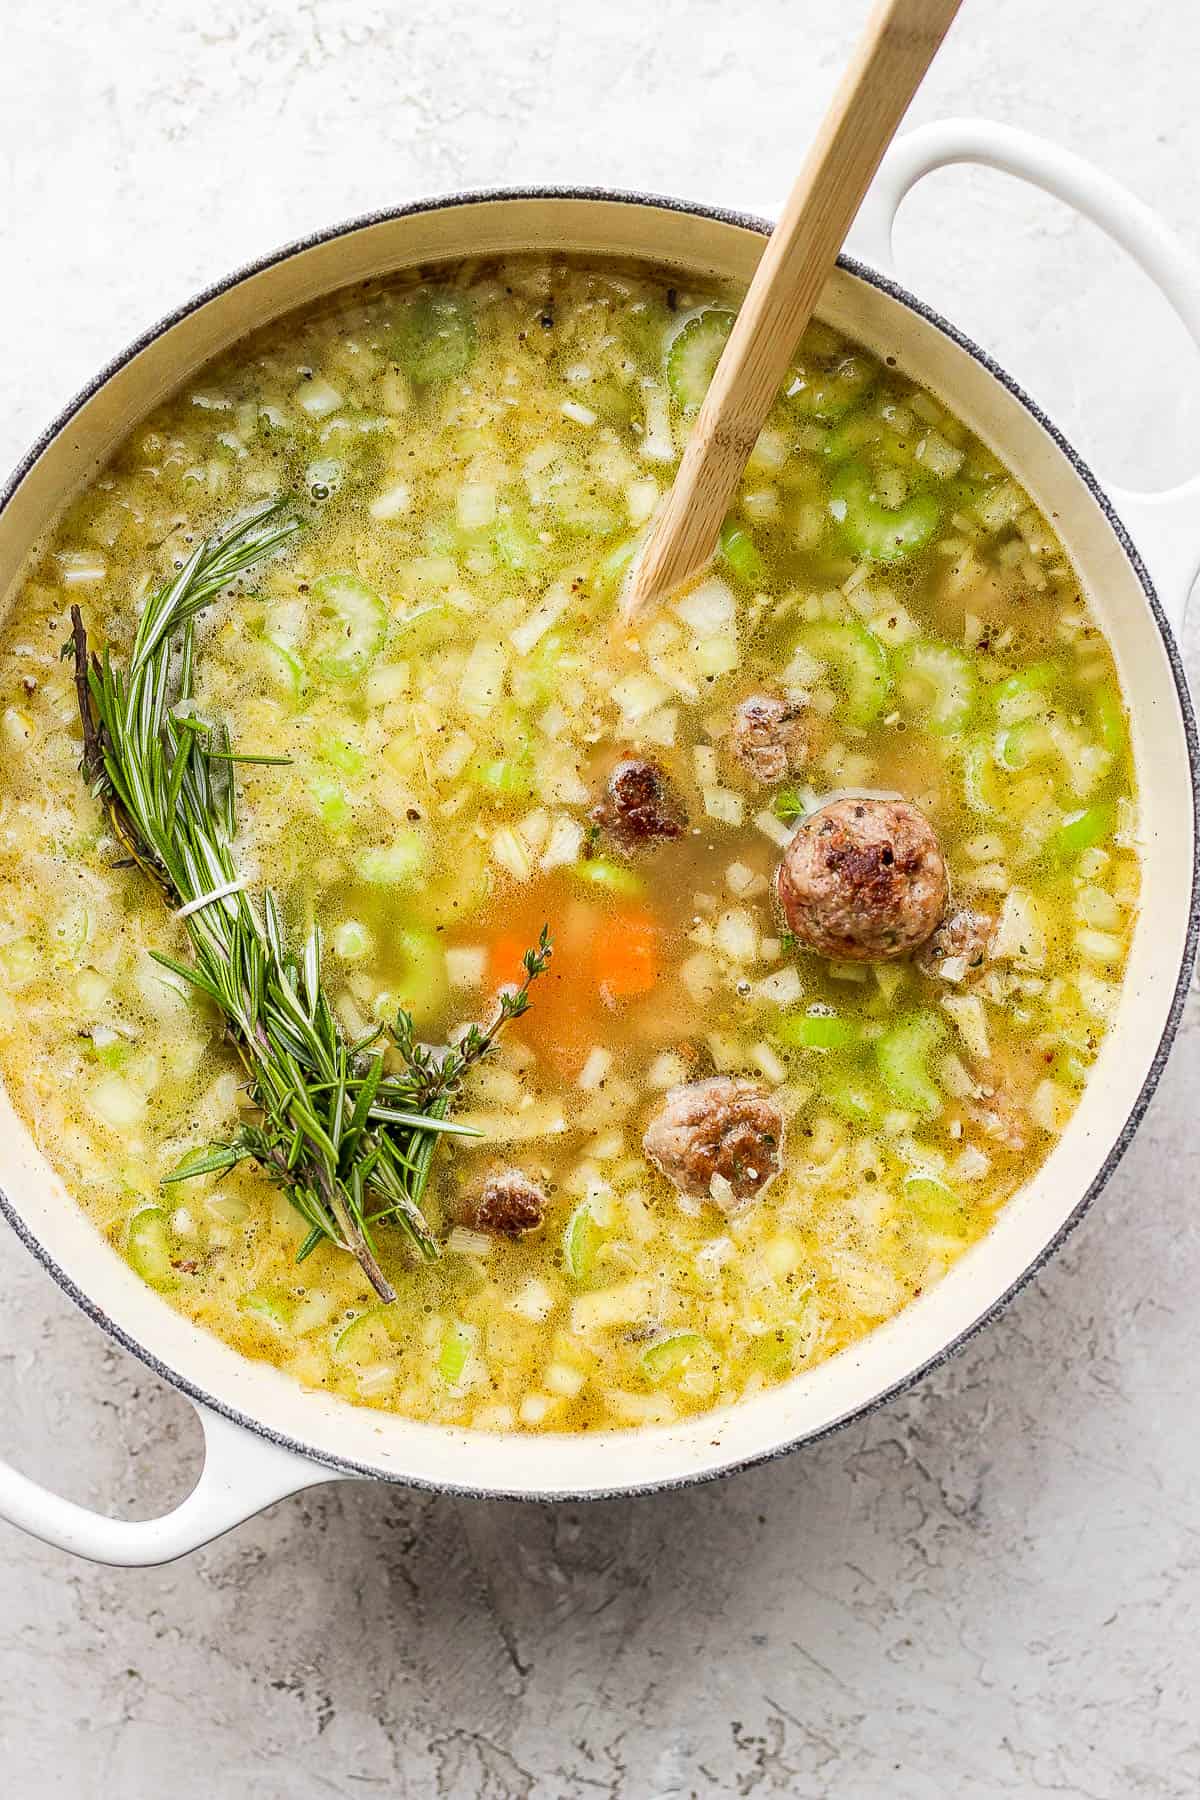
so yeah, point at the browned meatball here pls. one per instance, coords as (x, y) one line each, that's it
(508, 1204)
(863, 880)
(770, 737)
(720, 1139)
(966, 936)
(640, 806)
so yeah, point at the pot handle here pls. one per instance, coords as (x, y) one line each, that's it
(1164, 525)
(242, 1473)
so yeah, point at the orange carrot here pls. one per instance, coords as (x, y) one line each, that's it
(625, 955)
(506, 959)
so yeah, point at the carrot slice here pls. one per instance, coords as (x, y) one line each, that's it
(625, 956)
(506, 959)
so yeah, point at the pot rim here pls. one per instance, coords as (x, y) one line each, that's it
(348, 1466)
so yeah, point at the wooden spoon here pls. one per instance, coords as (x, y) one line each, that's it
(897, 47)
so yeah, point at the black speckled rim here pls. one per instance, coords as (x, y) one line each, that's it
(346, 1466)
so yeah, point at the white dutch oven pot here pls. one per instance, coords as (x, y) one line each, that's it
(266, 1436)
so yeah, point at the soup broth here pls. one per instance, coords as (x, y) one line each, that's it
(439, 657)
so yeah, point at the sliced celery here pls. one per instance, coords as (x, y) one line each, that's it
(828, 394)
(612, 569)
(351, 622)
(271, 1307)
(875, 530)
(937, 1206)
(148, 1247)
(1026, 742)
(398, 864)
(341, 754)
(455, 1353)
(330, 799)
(581, 1240)
(435, 336)
(1079, 831)
(602, 872)
(1028, 691)
(938, 683)
(788, 804)
(367, 1335)
(740, 555)
(858, 662)
(694, 353)
(668, 1357)
(979, 778)
(902, 1055)
(516, 543)
(815, 1030)
(422, 985)
(284, 668)
(853, 1097)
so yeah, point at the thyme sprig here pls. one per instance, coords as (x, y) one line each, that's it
(350, 1142)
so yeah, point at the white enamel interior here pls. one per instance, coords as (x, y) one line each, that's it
(560, 1465)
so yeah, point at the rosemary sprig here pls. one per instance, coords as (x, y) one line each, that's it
(349, 1143)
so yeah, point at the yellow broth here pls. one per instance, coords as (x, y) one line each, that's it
(437, 654)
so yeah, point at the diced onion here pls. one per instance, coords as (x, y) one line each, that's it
(773, 827)
(666, 1071)
(765, 1059)
(466, 966)
(595, 1068)
(511, 854)
(475, 505)
(724, 805)
(1051, 1106)
(534, 1302)
(658, 443)
(465, 1242)
(564, 844)
(736, 935)
(483, 678)
(639, 694)
(783, 987)
(318, 398)
(541, 619)
(641, 498)
(744, 883)
(705, 760)
(392, 503)
(967, 1012)
(709, 608)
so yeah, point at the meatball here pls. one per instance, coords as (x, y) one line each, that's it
(770, 737)
(508, 1204)
(964, 938)
(863, 880)
(640, 806)
(720, 1139)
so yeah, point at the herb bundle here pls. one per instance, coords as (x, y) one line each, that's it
(348, 1141)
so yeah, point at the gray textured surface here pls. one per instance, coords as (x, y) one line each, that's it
(988, 1588)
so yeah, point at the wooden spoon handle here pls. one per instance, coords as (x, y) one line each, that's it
(897, 47)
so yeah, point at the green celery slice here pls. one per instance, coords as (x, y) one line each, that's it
(875, 530)
(669, 1356)
(859, 664)
(693, 355)
(435, 337)
(902, 1055)
(938, 683)
(351, 624)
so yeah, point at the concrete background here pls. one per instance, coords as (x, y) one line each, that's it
(990, 1587)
